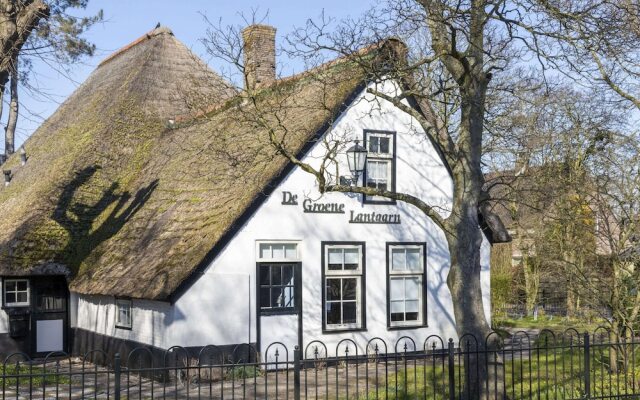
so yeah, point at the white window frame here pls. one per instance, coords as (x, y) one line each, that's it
(16, 303)
(260, 243)
(389, 158)
(124, 324)
(421, 275)
(357, 274)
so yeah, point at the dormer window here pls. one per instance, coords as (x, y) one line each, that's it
(380, 169)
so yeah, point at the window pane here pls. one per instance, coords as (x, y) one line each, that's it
(349, 312)
(278, 251)
(275, 275)
(265, 251)
(10, 286)
(265, 297)
(413, 259)
(351, 258)
(265, 275)
(384, 145)
(287, 275)
(22, 297)
(373, 144)
(333, 289)
(10, 298)
(22, 285)
(412, 306)
(290, 251)
(335, 259)
(397, 259)
(397, 306)
(349, 289)
(412, 288)
(412, 316)
(333, 313)
(396, 289)
(289, 300)
(277, 297)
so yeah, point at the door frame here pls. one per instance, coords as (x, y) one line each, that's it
(297, 284)
(36, 316)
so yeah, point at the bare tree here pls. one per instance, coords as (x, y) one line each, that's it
(42, 29)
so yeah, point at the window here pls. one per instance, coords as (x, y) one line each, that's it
(406, 285)
(277, 277)
(278, 251)
(277, 287)
(16, 292)
(123, 314)
(343, 283)
(380, 168)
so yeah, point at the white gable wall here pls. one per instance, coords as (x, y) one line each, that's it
(220, 307)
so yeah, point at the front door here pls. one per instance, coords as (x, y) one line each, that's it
(49, 316)
(279, 309)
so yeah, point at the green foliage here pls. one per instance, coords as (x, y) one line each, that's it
(241, 372)
(13, 374)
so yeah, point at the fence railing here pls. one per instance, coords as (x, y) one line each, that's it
(568, 365)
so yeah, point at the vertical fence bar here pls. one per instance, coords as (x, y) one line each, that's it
(116, 377)
(587, 367)
(296, 373)
(452, 372)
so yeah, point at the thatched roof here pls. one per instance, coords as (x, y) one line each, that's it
(131, 206)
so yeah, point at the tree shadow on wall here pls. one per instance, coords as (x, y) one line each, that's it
(78, 217)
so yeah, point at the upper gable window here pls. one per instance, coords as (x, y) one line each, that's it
(380, 169)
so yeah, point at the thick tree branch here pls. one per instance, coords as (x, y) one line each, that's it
(407, 198)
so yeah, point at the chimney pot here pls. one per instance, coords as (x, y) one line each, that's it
(259, 48)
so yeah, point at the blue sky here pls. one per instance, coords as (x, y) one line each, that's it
(127, 20)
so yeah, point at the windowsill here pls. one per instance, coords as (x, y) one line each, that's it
(406, 327)
(15, 306)
(378, 202)
(288, 311)
(343, 330)
(126, 328)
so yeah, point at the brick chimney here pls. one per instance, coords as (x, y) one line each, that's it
(259, 47)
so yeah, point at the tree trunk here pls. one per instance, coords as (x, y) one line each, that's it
(10, 130)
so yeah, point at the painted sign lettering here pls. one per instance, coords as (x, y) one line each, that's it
(373, 218)
(309, 206)
(289, 199)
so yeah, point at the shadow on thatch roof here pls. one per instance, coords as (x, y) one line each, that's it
(129, 207)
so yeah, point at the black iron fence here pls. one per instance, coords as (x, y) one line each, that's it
(569, 365)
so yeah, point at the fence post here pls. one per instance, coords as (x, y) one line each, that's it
(116, 370)
(296, 373)
(587, 367)
(452, 372)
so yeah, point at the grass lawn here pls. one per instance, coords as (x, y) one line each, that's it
(543, 374)
(552, 323)
(10, 375)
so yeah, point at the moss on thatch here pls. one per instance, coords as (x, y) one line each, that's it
(132, 207)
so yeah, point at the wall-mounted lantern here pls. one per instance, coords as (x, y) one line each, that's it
(357, 159)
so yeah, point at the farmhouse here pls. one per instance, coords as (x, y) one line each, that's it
(137, 219)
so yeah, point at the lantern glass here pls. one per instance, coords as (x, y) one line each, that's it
(356, 157)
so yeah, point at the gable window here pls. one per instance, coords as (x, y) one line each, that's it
(16, 292)
(343, 286)
(278, 270)
(123, 314)
(406, 284)
(380, 169)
